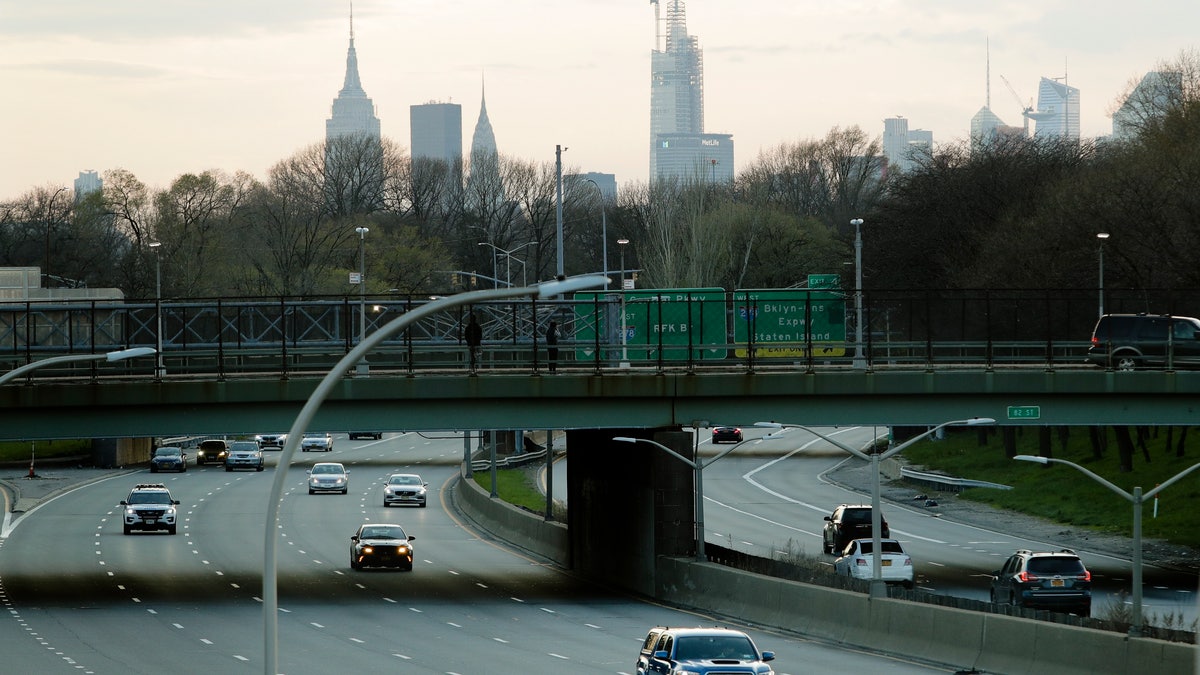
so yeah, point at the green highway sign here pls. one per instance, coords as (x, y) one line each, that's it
(674, 318)
(783, 323)
(1024, 412)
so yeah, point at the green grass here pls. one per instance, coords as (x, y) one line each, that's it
(17, 451)
(517, 487)
(1066, 495)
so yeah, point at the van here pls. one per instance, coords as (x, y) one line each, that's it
(1131, 341)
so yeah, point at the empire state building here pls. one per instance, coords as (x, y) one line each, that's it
(354, 156)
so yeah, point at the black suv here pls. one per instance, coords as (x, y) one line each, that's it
(1131, 341)
(1056, 581)
(847, 523)
(701, 651)
(149, 507)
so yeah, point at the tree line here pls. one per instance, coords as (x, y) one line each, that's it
(1012, 212)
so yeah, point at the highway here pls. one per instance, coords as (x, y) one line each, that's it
(770, 496)
(81, 597)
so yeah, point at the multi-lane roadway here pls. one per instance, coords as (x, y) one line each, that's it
(81, 597)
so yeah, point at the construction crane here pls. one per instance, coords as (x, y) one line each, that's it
(1026, 111)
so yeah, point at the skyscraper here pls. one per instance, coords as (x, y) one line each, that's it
(1057, 113)
(353, 111)
(353, 146)
(679, 148)
(485, 189)
(1157, 93)
(435, 133)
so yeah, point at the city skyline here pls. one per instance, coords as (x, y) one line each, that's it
(162, 90)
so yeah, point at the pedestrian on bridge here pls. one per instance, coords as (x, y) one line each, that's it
(552, 346)
(474, 339)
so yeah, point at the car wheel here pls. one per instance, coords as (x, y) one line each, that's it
(346, 491)
(153, 469)
(127, 529)
(310, 491)
(422, 504)
(259, 468)
(1125, 362)
(184, 469)
(386, 504)
(354, 565)
(228, 468)
(171, 529)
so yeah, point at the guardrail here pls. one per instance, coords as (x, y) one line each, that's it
(947, 483)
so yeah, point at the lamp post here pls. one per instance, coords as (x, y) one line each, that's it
(558, 208)
(603, 229)
(507, 261)
(49, 224)
(698, 469)
(878, 587)
(1137, 499)
(322, 391)
(1103, 237)
(362, 367)
(119, 355)
(159, 370)
(859, 362)
(624, 351)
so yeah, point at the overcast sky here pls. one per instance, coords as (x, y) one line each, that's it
(166, 87)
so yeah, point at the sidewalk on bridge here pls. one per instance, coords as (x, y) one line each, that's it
(23, 492)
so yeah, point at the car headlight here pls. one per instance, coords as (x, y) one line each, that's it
(171, 511)
(368, 549)
(388, 491)
(131, 512)
(402, 550)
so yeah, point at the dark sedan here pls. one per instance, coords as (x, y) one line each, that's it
(381, 545)
(168, 459)
(726, 435)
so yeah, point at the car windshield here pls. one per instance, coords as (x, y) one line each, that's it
(167, 452)
(318, 436)
(327, 468)
(1055, 565)
(697, 647)
(405, 480)
(149, 498)
(244, 447)
(392, 532)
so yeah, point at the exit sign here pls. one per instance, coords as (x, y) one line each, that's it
(1024, 412)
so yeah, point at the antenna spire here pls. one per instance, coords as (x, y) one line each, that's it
(352, 21)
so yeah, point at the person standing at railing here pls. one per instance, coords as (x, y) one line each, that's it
(552, 346)
(474, 338)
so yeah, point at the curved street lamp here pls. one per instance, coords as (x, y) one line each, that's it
(1137, 498)
(159, 370)
(603, 228)
(878, 587)
(322, 391)
(1103, 237)
(119, 355)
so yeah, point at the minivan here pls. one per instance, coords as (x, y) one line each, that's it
(1132, 341)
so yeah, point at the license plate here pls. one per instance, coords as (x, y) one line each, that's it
(1057, 583)
(887, 563)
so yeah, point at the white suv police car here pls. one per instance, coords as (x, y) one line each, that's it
(149, 507)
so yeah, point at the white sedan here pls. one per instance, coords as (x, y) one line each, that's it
(856, 561)
(316, 443)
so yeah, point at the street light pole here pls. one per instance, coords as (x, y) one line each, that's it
(859, 362)
(558, 207)
(321, 392)
(1137, 499)
(1102, 236)
(603, 229)
(49, 224)
(159, 370)
(362, 366)
(624, 351)
(698, 471)
(878, 587)
(119, 355)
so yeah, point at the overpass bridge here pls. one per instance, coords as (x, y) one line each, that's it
(245, 366)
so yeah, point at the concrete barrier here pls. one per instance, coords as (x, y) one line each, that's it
(991, 643)
(519, 527)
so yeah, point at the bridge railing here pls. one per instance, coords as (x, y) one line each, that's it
(217, 338)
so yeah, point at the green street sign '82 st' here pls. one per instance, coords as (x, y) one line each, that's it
(1024, 412)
